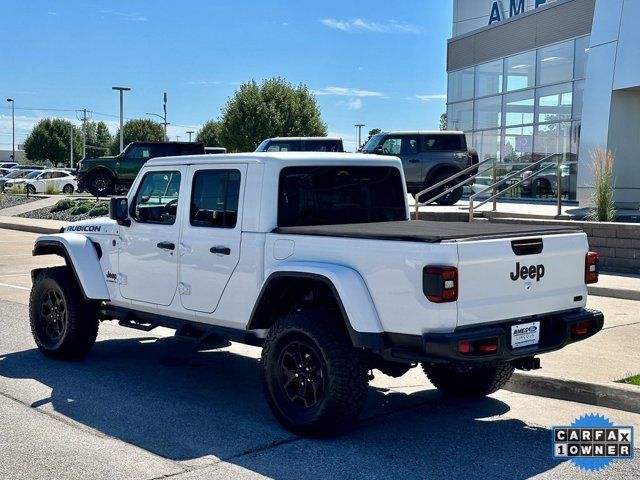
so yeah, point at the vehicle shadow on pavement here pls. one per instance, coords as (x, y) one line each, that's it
(169, 398)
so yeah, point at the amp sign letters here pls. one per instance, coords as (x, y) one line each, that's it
(516, 7)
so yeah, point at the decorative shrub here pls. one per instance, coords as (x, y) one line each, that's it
(61, 205)
(99, 210)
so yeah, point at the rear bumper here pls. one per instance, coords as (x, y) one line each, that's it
(555, 333)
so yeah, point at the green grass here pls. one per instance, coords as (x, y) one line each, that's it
(633, 380)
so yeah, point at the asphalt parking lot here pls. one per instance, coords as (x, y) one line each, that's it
(149, 406)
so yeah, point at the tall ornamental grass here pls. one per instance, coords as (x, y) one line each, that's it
(602, 197)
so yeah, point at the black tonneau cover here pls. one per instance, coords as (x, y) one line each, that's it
(424, 231)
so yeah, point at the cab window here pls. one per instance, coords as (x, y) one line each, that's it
(214, 198)
(400, 145)
(156, 200)
(284, 146)
(139, 152)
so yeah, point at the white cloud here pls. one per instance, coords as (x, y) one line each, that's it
(132, 17)
(364, 25)
(354, 104)
(346, 92)
(428, 98)
(204, 82)
(52, 13)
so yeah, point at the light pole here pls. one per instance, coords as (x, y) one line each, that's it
(13, 129)
(121, 90)
(164, 122)
(189, 132)
(358, 135)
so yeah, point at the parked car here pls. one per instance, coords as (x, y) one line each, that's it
(8, 164)
(546, 183)
(428, 158)
(38, 181)
(104, 176)
(13, 175)
(330, 276)
(214, 150)
(4, 171)
(28, 167)
(301, 144)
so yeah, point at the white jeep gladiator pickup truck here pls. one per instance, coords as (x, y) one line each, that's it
(313, 256)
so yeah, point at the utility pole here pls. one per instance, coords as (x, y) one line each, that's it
(13, 128)
(164, 106)
(121, 90)
(359, 135)
(177, 138)
(71, 145)
(189, 132)
(84, 133)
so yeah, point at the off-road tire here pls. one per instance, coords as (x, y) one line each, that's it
(344, 374)
(67, 189)
(453, 197)
(101, 184)
(474, 383)
(77, 327)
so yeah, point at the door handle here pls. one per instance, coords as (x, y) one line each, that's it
(414, 161)
(220, 250)
(166, 245)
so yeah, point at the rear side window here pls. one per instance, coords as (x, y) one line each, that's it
(451, 143)
(193, 149)
(327, 195)
(321, 146)
(163, 150)
(156, 200)
(214, 198)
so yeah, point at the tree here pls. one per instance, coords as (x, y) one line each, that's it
(270, 109)
(372, 132)
(443, 121)
(97, 135)
(138, 130)
(208, 134)
(50, 141)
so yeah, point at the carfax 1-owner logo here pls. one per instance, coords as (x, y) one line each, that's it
(592, 442)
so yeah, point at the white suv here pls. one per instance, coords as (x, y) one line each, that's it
(38, 181)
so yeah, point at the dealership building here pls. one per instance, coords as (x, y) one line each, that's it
(531, 78)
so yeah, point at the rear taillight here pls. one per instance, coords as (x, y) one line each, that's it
(440, 284)
(591, 269)
(580, 329)
(485, 346)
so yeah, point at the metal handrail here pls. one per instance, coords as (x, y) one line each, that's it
(447, 180)
(472, 198)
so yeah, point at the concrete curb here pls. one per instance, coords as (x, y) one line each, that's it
(22, 226)
(609, 395)
(621, 293)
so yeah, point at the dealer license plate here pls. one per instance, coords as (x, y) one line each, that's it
(525, 334)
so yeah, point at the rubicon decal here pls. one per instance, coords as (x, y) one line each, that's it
(534, 272)
(83, 228)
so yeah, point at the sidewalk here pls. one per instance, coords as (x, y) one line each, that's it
(30, 206)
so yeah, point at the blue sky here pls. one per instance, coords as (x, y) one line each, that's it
(377, 62)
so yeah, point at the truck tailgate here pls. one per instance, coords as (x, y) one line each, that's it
(501, 279)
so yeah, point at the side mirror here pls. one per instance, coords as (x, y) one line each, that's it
(378, 150)
(119, 210)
